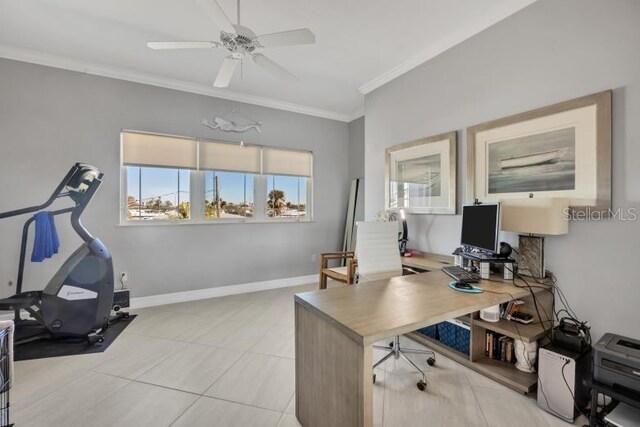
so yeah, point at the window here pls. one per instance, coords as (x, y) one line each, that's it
(170, 179)
(228, 195)
(286, 196)
(158, 193)
(288, 176)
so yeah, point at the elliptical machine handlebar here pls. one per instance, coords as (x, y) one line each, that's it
(79, 182)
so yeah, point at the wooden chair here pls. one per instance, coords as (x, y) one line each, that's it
(341, 274)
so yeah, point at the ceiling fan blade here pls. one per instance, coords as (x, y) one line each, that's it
(272, 67)
(226, 72)
(183, 45)
(213, 9)
(287, 38)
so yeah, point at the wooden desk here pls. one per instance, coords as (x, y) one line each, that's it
(428, 261)
(335, 330)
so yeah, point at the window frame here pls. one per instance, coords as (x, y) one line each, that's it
(197, 196)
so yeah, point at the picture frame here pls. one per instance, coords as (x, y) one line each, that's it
(420, 175)
(558, 151)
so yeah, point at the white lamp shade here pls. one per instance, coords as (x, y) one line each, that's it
(535, 216)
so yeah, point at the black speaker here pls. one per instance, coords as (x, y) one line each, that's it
(505, 250)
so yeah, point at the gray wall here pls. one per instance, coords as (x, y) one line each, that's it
(549, 52)
(51, 118)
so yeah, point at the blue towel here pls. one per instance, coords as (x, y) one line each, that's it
(46, 243)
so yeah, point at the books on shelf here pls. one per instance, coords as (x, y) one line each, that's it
(500, 347)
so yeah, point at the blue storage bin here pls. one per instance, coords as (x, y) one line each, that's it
(430, 331)
(455, 334)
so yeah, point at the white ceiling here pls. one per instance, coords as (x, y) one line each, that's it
(361, 44)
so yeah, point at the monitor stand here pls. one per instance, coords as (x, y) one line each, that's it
(481, 255)
(485, 260)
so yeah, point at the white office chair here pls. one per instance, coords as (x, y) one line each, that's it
(378, 258)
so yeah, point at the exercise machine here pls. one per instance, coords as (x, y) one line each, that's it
(77, 301)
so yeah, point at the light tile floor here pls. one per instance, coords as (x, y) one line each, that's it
(230, 362)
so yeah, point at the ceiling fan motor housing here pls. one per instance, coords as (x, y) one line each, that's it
(244, 41)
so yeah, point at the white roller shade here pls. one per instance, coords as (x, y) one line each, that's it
(222, 156)
(279, 161)
(139, 149)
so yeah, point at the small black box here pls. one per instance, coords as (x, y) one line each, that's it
(569, 339)
(120, 299)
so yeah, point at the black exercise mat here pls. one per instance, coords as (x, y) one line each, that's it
(44, 348)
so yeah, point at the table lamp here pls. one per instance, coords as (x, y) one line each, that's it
(533, 219)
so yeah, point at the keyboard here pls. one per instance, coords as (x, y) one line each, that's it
(460, 274)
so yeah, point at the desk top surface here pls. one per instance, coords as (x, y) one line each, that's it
(372, 311)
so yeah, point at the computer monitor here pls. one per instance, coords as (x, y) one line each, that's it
(480, 226)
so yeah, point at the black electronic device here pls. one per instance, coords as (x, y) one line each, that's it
(505, 250)
(570, 336)
(121, 299)
(521, 317)
(562, 381)
(480, 227)
(463, 285)
(460, 274)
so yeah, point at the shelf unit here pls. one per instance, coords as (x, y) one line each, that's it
(502, 372)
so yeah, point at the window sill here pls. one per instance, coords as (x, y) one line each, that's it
(143, 223)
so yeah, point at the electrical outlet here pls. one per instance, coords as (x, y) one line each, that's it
(124, 277)
(314, 258)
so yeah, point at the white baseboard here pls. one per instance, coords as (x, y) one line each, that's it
(220, 291)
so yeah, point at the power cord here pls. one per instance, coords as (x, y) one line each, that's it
(573, 397)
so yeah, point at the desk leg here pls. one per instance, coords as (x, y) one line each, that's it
(333, 375)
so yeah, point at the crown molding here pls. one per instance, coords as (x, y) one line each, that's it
(66, 63)
(440, 47)
(356, 114)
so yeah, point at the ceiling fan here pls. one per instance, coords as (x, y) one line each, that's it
(241, 43)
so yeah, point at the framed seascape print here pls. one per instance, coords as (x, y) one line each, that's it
(421, 175)
(562, 151)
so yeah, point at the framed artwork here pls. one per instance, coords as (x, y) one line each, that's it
(420, 175)
(559, 151)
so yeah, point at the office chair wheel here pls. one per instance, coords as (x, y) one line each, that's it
(422, 386)
(431, 361)
(391, 344)
(374, 378)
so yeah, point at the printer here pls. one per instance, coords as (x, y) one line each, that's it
(616, 362)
